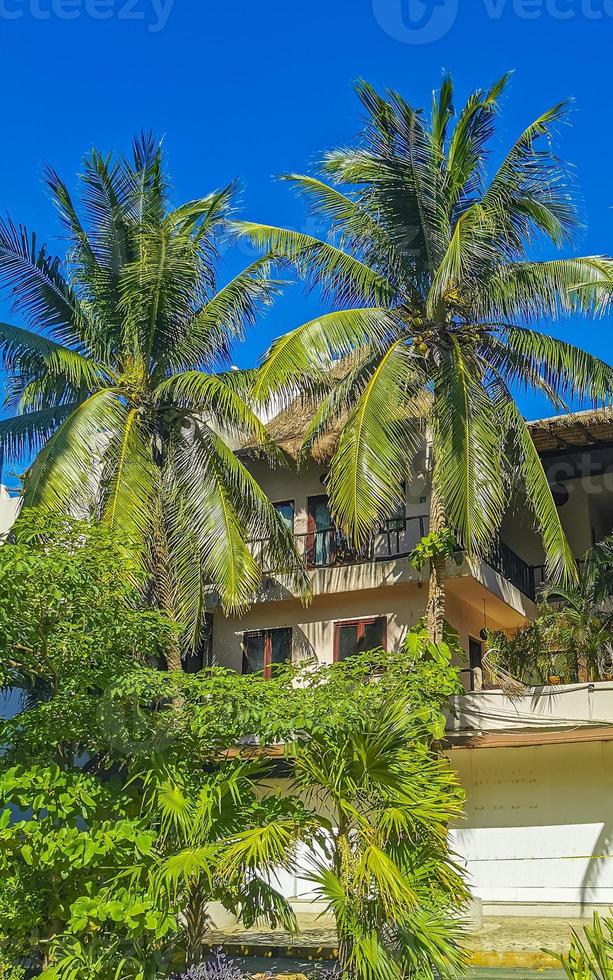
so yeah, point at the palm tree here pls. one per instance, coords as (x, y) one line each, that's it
(119, 382)
(220, 839)
(436, 297)
(383, 800)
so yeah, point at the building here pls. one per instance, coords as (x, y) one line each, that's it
(538, 770)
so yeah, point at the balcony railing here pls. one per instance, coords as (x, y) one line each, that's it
(508, 564)
(330, 548)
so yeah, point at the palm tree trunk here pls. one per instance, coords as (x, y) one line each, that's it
(196, 924)
(342, 863)
(345, 954)
(164, 590)
(435, 617)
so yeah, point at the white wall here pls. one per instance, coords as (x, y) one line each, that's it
(9, 508)
(539, 826)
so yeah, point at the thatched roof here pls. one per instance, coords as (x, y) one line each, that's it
(288, 430)
(577, 430)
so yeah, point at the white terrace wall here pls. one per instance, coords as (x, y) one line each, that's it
(538, 833)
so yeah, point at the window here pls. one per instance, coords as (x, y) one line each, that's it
(264, 649)
(285, 510)
(359, 636)
(320, 540)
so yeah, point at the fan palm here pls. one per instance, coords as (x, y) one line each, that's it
(221, 840)
(120, 381)
(385, 872)
(435, 295)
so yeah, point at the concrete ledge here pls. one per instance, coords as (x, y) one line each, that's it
(513, 960)
(492, 959)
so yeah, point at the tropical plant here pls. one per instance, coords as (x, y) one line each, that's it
(572, 634)
(64, 836)
(9, 970)
(221, 839)
(131, 797)
(380, 802)
(428, 264)
(578, 619)
(385, 872)
(590, 956)
(71, 620)
(117, 381)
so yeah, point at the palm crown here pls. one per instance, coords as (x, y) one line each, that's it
(435, 300)
(118, 381)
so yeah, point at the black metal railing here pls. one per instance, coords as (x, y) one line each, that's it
(329, 547)
(517, 571)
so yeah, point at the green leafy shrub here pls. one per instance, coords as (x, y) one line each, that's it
(436, 546)
(9, 970)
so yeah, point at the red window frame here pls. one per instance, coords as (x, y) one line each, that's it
(267, 634)
(360, 623)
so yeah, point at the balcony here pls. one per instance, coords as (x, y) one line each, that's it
(330, 548)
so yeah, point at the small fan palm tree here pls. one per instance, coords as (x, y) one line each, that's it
(436, 299)
(117, 381)
(221, 840)
(383, 801)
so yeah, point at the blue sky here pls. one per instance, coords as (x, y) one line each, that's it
(250, 89)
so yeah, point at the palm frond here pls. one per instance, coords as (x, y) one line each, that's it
(207, 337)
(129, 481)
(36, 286)
(309, 350)
(468, 451)
(338, 274)
(63, 475)
(29, 432)
(561, 566)
(217, 399)
(530, 189)
(568, 369)
(379, 439)
(531, 291)
(18, 347)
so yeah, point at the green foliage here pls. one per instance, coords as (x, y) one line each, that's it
(386, 873)
(590, 956)
(71, 620)
(436, 546)
(131, 797)
(10, 970)
(572, 635)
(64, 835)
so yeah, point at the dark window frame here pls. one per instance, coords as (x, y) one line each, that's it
(267, 635)
(361, 622)
(474, 666)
